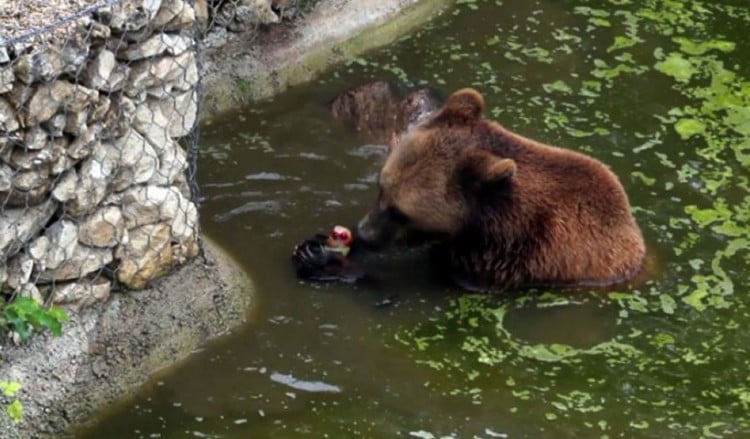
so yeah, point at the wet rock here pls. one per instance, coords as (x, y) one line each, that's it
(105, 227)
(82, 294)
(17, 226)
(8, 119)
(158, 44)
(147, 255)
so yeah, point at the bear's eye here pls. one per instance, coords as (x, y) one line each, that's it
(396, 215)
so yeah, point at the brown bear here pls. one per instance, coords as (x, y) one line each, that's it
(504, 211)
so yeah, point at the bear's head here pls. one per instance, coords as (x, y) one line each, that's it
(431, 179)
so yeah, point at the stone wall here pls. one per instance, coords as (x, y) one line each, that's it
(93, 177)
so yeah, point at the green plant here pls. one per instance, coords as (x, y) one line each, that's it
(14, 409)
(24, 316)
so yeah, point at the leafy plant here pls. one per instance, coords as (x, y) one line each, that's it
(14, 409)
(24, 316)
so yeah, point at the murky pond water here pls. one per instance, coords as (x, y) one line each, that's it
(658, 89)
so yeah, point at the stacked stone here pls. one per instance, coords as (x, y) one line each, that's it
(93, 182)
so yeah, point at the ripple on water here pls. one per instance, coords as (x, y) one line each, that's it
(267, 206)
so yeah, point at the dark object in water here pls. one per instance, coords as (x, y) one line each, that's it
(314, 259)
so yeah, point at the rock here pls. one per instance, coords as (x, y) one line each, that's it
(49, 98)
(6, 177)
(99, 70)
(27, 181)
(157, 44)
(19, 95)
(242, 15)
(82, 146)
(172, 164)
(27, 160)
(150, 121)
(146, 256)
(83, 261)
(99, 110)
(180, 72)
(91, 184)
(135, 158)
(6, 79)
(117, 120)
(19, 271)
(152, 204)
(35, 138)
(62, 239)
(182, 112)
(104, 227)
(30, 291)
(17, 226)
(55, 125)
(8, 119)
(66, 187)
(40, 66)
(75, 122)
(128, 17)
(66, 258)
(82, 294)
(4, 57)
(38, 249)
(176, 15)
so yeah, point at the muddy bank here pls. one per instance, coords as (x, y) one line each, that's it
(109, 349)
(237, 73)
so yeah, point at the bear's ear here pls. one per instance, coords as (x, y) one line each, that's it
(483, 167)
(464, 105)
(496, 169)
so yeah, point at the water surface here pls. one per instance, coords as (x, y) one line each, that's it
(657, 89)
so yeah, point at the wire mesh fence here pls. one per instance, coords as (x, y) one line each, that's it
(98, 108)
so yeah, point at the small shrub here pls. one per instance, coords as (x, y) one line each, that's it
(24, 316)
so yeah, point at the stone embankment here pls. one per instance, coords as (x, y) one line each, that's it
(93, 178)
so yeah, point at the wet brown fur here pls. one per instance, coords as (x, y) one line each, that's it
(514, 212)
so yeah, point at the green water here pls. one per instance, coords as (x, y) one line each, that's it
(657, 89)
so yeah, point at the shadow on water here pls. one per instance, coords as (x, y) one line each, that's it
(635, 85)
